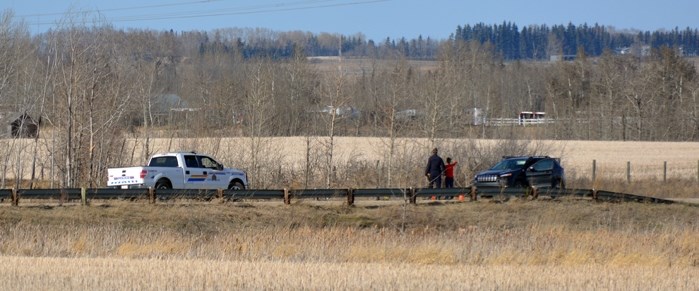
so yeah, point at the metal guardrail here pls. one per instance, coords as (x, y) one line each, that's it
(411, 194)
(624, 197)
(5, 194)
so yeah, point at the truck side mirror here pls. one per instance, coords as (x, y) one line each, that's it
(219, 167)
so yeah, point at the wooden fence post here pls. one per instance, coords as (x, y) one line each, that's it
(83, 196)
(287, 197)
(151, 195)
(15, 197)
(594, 171)
(664, 171)
(474, 193)
(628, 172)
(535, 193)
(350, 197)
(219, 194)
(413, 195)
(63, 197)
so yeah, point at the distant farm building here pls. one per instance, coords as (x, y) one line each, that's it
(531, 117)
(524, 118)
(18, 125)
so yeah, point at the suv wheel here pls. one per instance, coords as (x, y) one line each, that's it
(559, 184)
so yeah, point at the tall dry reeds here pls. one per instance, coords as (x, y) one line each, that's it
(36, 273)
(579, 244)
(513, 233)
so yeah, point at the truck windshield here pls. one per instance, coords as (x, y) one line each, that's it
(510, 164)
(207, 162)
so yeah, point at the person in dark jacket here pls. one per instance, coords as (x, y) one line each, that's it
(434, 170)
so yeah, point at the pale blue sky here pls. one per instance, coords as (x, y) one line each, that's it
(376, 19)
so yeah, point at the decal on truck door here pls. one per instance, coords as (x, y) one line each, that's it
(197, 178)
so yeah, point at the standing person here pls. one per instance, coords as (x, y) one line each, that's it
(434, 170)
(449, 173)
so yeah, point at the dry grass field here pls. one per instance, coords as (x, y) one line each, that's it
(359, 159)
(520, 244)
(646, 158)
(171, 274)
(612, 158)
(359, 66)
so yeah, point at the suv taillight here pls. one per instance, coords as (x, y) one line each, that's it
(143, 174)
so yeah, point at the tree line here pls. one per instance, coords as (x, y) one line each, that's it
(542, 41)
(97, 89)
(534, 42)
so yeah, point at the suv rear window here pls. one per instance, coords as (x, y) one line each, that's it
(167, 161)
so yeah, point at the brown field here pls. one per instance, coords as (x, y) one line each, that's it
(357, 156)
(646, 158)
(520, 244)
(612, 158)
(357, 66)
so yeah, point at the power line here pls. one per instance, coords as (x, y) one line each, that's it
(224, 12)
(228, 11)
(244, 10)
(120, 9)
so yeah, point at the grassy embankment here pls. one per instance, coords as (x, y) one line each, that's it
(518, 244)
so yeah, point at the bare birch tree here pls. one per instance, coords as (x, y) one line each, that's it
(16, 57)
(259, 107)
(89, 97)
(334, 93)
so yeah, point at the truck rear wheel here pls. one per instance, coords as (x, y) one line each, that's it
(163, 184)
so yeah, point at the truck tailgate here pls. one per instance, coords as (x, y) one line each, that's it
(125, 176)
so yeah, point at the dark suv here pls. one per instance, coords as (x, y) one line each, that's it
(523, 171)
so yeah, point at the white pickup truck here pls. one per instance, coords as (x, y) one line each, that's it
(179, 170)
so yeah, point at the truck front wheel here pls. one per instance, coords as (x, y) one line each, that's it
(236, 185)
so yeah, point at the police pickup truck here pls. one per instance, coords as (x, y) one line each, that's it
(178, 170)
